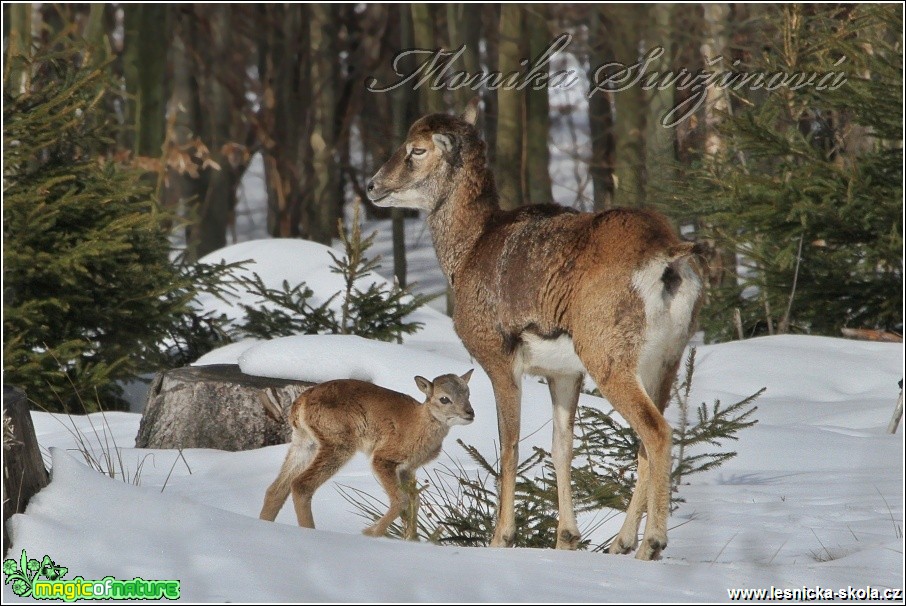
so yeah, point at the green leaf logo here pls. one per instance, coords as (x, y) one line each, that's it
(20, 574)
(25, 572)
(51, 571)
(21, 587)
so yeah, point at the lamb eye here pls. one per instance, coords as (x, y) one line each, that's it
(444, 400)
(417, 151)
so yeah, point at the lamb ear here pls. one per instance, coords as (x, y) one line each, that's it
(470, 113)
(424, 385)
(468, 375)
(444, 142)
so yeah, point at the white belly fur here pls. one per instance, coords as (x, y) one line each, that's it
(549, 356)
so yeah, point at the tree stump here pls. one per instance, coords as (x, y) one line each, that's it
(217, 406)
(23, 469)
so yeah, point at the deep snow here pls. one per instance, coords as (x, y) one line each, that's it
(814, 497)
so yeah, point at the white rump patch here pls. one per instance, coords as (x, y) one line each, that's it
(667, 318)
(303, 449)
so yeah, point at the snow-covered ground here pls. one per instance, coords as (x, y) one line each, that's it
(814, 497)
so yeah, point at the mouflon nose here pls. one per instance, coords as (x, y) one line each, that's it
(370, 186)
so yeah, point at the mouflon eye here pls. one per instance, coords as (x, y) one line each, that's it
(445, 400)
(417, 151)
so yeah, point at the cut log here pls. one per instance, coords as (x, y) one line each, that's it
(23, 469)
(218, 407)
(870, 334)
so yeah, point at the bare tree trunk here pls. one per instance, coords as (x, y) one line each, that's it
(510, 111)
(218, 184)
(183, 191)
(537, 114)
(324, 76)
(19, 43)
(377, 112)
(401, 97)
(490, 27)
(464, 27)
(713, 46)
(631, 111)
(96, 31)
(600, 115)
(145, 67)
(302, 108)
(286, 95)
(688, 35)
(659, 156)
(271, 51)
(425, 36)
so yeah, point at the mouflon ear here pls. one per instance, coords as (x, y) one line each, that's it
(467, 376)
(470, 113)
(444, 142)
(424, 385)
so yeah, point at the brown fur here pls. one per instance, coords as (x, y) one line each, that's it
(333, 420)
(547, 271)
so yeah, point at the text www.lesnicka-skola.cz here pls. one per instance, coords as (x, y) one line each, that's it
(816, 593)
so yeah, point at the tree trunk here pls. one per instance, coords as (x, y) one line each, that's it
(218, 183)
(630, 106)
(325, 205)
(537, 114)
(401, 125)
(425, 36)
(600, 116)
(388, 29)
(285, 102)
(96, 31)
(183, 191)
(464, 28)
(398, 214)
(145, 67)
(713, 46)
(19, 43)
(510, 111)
(218, 407)
(687, 33)
(23, 468)
(490, 27)
(659, 155)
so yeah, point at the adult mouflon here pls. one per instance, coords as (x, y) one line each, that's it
(549, 291)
